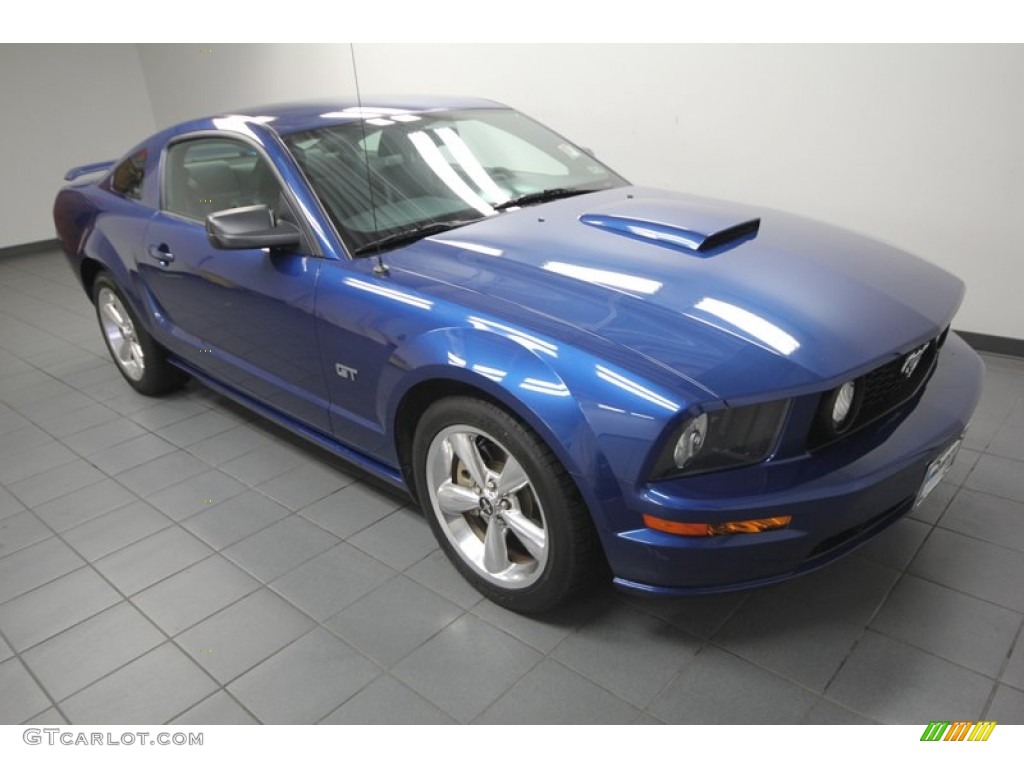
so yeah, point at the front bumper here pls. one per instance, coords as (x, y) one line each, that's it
(838, 497)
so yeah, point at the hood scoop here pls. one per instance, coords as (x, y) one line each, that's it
(708, 235)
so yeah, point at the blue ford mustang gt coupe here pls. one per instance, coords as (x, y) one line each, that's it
(570, 374)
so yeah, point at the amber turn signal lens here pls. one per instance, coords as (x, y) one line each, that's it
(680, 529)
(752, 526)
(717, 529)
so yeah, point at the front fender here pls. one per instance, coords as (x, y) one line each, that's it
(519, 379)
(599, 423)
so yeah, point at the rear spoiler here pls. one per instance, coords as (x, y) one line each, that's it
(85, 170)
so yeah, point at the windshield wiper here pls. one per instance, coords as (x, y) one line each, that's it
(539, 197)
(409, 236)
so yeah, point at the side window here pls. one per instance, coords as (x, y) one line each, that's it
(127, 178)
(203, 176)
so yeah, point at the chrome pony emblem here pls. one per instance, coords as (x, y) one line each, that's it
(911, 361)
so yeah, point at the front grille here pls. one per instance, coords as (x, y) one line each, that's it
(879, 392)
(887, 387)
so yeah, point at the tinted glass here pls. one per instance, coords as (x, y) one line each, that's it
(396, 172)
(204, 176)
(128, 176)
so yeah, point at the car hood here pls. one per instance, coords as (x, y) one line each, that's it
(738, 299)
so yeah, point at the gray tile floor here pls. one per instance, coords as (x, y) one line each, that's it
(178, 560)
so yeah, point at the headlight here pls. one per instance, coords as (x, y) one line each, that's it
(732, 437)
(691, 441)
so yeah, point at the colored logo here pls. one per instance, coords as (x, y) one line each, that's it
(966, 730)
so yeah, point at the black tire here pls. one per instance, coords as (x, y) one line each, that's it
(140, 359)
(541, 573)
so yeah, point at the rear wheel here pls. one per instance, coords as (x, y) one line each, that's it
(139, 358)
(502, 507)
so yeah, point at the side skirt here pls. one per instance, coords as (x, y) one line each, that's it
(390, 475)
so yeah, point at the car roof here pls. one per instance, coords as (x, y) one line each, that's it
(303, 116)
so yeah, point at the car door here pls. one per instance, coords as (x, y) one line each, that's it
(244, 317)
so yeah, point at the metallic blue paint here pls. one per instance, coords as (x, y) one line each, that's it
(582, 319)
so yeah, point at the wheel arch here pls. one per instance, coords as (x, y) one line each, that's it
(87, 272)
(91, 267)
(414, 404)
(99, 254)
(448, 362)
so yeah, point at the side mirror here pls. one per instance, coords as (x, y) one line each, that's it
(250, 227)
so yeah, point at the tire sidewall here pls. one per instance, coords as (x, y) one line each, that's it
(157, 376)
(549, 588)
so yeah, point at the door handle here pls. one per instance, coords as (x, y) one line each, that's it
(161, 253)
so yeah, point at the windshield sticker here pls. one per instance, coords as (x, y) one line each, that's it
(569, 150)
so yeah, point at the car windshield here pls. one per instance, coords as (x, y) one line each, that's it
(393, 177)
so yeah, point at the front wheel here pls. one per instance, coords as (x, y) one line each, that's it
(502, 507)
(139, 358)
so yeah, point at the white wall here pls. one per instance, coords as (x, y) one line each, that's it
(62, 106)
(917, 145)
(921, 146)
(187, 81)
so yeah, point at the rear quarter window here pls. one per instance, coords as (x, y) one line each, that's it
(128, 176)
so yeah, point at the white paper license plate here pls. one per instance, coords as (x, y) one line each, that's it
(937, 470)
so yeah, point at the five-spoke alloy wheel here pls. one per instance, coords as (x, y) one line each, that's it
(139, 358)
(501, 505)
(119, 331)
(488, 507)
